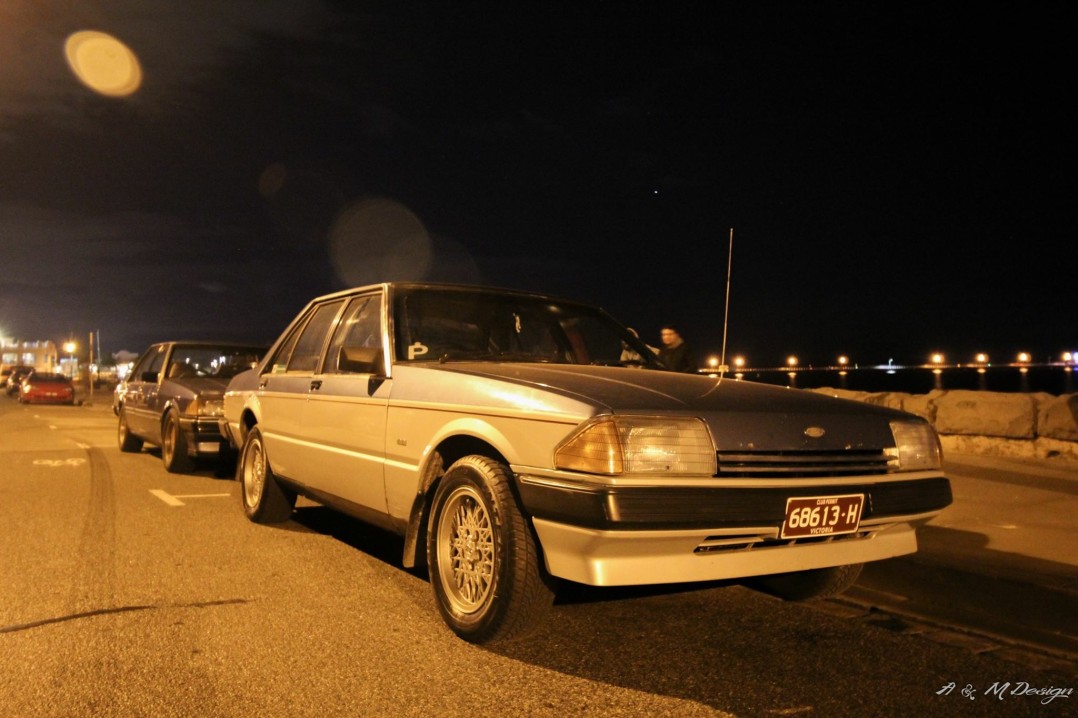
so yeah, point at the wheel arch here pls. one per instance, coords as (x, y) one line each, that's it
(170, 406)
(438, 460)
(248, 420)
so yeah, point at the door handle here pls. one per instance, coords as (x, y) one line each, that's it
(316, 384)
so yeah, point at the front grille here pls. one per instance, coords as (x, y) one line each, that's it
(740, 506)
(731, 507)
(801, 463)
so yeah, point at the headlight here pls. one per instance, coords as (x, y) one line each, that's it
(639, 445)
(206, 407)
(917, 446)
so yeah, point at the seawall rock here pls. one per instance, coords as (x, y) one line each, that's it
(1057, 417)
(1015, 425)
(1011, 416)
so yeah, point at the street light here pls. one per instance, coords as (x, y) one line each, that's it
(1023, 370)
(70, 347)
(843, 362)
(937, 359)
(982, 370)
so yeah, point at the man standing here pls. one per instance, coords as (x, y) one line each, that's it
(675, 354)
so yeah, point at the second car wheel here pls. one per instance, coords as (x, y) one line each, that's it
(174, 446)
(128, 441)
(483, 560)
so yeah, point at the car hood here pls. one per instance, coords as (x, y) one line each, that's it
(742, 415)
(205, 386)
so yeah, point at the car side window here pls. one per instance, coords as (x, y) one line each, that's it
(139, 367)
(157, 363)
(280, 359)
(308, 347)
(150, 363)
(359, 334)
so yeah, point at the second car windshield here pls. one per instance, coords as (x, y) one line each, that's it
(220, 362)
(449, 325)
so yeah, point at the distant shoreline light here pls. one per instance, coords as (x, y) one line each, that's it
(936, 361)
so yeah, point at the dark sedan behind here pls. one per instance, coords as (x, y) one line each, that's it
(172, 398)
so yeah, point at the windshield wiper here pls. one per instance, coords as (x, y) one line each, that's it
(492, 356)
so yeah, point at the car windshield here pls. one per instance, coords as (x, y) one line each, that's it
(432, 324)
(222, 362)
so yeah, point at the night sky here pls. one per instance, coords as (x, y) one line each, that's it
(899, 178)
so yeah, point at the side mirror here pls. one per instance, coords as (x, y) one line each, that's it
(149, 376)
(360, 360)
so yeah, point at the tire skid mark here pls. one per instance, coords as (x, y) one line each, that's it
(95, 579)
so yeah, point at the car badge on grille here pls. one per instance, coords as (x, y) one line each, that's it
(814, 432)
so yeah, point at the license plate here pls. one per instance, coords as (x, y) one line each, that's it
(822, 515)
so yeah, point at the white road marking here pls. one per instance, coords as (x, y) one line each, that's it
(59, 462)
(166, 497)
(175, 500)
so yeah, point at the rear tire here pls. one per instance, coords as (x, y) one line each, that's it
(808, 585)
(265, 501)
(174, 446)
(483, 560)
(128, 442)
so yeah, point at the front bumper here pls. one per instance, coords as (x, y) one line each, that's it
(628, 558)
(611, 535)
(203, 434)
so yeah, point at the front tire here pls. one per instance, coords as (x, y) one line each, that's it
(481, 555)
(174, 446)
(807, 585)
(265, 501)
(129, 443)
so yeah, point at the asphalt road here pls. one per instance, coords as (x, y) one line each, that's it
(128, 591)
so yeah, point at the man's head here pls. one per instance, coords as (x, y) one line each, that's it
(670, 336)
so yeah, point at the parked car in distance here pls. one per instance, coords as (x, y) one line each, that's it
(39, 387)
(502, 435)
(172, 399)
(14, 378)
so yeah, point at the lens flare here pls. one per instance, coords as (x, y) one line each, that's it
(103, 63)
(376, 240)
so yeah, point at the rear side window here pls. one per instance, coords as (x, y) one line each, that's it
(360, 328)
(308, 348)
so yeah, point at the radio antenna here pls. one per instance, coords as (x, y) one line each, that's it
(723, 368)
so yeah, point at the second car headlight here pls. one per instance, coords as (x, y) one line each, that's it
(206, 407)
(917, 446)
(639, 445)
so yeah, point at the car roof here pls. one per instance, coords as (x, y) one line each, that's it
(208, 343)
(393, 286)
